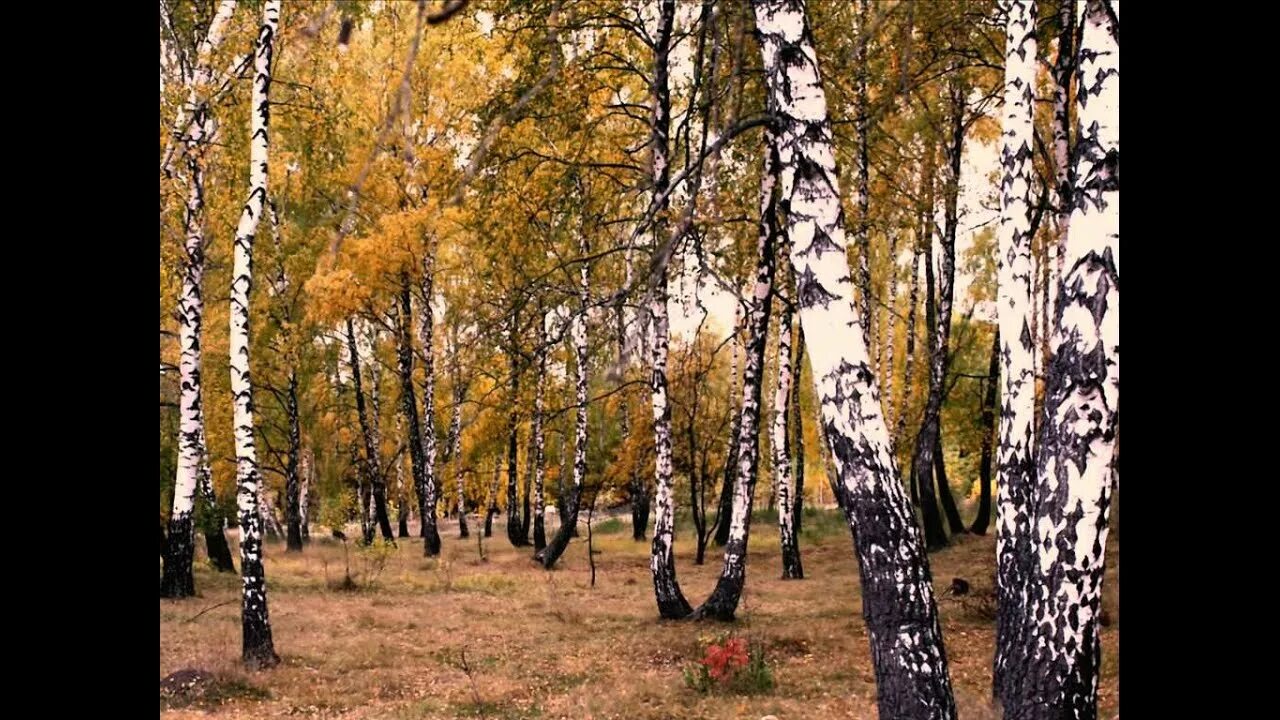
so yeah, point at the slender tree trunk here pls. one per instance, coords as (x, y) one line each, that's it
(380, 513)
(725, 506)
(402, 489)
(293, 517)
(912, 680)
(791, 566)
(1015, 459)
(455, 444)
(257, 649)
(211, 520)
(554, 549)
(983, 519)
(662, 564)
(308, 468)
(562, 498)
(409, 406)
(539, 456)
(372, 467)
(862, 229)
(177, 580)
(429, 500)
(886, 347)
(908, 374)
(922, 486)
(1064, 68)
(723, 601)
(493, 498)
(954, 524)
(927, 453)
(1060, 654)
(515, 526)
(797, 429)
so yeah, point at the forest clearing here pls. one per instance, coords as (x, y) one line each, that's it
(821, 295)
(547, 645)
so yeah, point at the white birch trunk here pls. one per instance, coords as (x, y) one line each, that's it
(177, 580)
(791, 566)
(258, 650)
(897, 589)
(1077, 444)
(1015, 457)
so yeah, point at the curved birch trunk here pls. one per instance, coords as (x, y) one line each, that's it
(428, 492)
(177, 580)
(1060, 653)
(1014, 455)
(723, 601)
(906, 640)
(791, 567)
(258, 650)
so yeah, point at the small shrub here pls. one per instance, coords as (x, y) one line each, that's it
(730, 664)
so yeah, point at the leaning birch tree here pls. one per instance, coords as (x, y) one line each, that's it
(897, 590)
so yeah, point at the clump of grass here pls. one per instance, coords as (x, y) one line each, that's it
(194, 688)
(496, 585)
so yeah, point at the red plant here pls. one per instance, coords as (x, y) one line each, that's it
(724, 660)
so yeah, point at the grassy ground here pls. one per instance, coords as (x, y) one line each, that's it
(547, 645)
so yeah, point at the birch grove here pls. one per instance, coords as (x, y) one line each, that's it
(508, 235)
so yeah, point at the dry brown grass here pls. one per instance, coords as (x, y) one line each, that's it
(546, 645)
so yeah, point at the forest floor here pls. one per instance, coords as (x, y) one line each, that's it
(548, 645)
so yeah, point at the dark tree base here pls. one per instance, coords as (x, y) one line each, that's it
(463, 531)
(723, 602)
(178, 581)
(549, 555)
(261, 655)
(791, 567)
(293, 541)
(215, 542)
(431, 542)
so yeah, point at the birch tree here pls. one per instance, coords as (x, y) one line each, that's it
(429, 493)
(177, 580)
(1060, 651)
(258, 649)
(724, 598)
(791, 566)
(911, 667)
(1015, 461)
